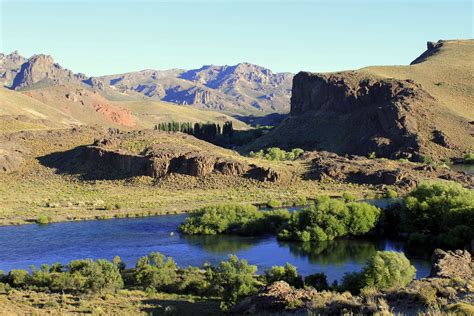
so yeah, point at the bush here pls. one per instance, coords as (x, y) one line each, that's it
(391, 194)
(193, 281)
(156, 271)
(352, 282)
(385, 270)
(78, 276)
(301, 201)
(234, 219)
(427, 295)
(219, 219)
(274, 203)
(442, 211)
(348, 197)
(319, 281)
(91, 276)
(469, 158)
(388, 269)
(43, 219)
(232, 280)
(277, 154)
(287, 273)
(328, 219)
(19, 278)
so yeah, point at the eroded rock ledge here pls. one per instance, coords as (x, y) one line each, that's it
(326, 166)
(158, 160)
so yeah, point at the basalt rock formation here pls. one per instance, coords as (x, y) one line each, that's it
(158, 164)
(405, 175)
(120, 155)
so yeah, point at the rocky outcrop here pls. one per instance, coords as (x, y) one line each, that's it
(280, 298)
(9, 67)
(12, 155)
(273, 298)
(376, 115)
(42, 67)
(452, 264)
(326, 166)
(158, 161)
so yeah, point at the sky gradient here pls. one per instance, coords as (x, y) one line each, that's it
(107, 37)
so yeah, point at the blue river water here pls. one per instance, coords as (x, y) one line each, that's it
(23, 246)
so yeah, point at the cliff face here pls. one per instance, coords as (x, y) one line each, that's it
(376, 114)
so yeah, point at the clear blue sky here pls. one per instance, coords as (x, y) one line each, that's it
(105, 37)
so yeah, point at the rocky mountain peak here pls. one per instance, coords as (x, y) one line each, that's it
(13, 58)
(43, 68)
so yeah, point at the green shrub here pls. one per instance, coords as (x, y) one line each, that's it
(214, 220)
(319, 281)
(156, 271)
(385, 270)
(301, 201)
(43, 219)
(372, 155)
(274, 203)
(388, 269)
(91, 276)
(391, 194)
(469, 158)
(427, 160)
(277, 154)
(287, 273)
(78, 276)
(232, 280)
(352, 282)
(442, 211)
(193, 281)
(427, 295)
(19, 278)
(328, 219)
(117, 261)
(348, 197)
(234, 219)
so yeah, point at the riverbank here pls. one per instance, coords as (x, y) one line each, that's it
(23, 199)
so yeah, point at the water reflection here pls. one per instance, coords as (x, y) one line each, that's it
(337, 252)
(221, 243)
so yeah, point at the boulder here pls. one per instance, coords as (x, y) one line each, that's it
(450, 264)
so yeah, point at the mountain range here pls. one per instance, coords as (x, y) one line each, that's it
(241, 89)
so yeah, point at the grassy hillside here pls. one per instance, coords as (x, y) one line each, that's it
(45, 107)
(445, 72)
(30, 113)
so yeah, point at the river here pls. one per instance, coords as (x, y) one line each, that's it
(22, 246)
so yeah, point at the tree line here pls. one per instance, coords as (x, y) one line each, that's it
(205, 131)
